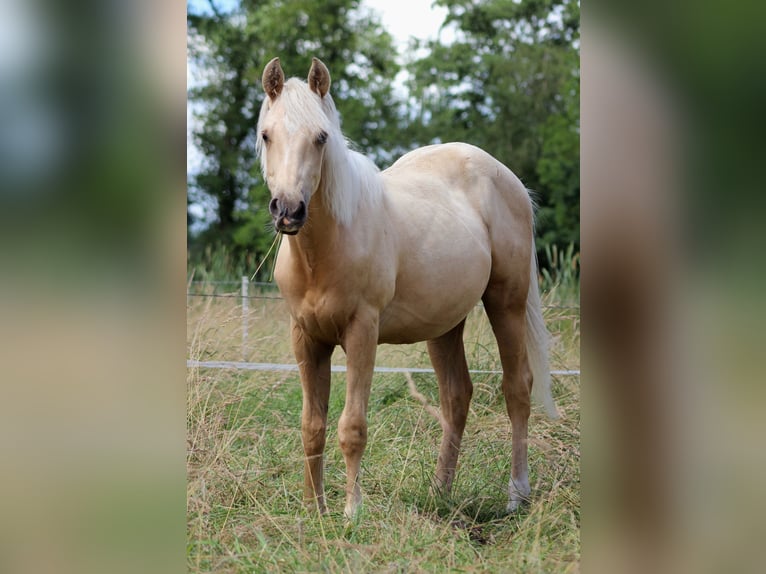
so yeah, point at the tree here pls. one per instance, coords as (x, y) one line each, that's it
(232, 49)
(509, 83)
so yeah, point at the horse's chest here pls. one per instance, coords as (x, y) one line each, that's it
(325, 317)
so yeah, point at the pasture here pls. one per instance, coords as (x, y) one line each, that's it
(245, 461)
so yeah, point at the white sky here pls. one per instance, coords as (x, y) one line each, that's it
(409, 18)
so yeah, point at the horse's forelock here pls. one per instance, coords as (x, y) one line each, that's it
(303, 108)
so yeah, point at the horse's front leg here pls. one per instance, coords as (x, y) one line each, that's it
(314, 363)
(360, 342)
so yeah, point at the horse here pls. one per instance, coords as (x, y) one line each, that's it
(397, 256)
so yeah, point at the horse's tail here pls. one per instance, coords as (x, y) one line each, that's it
(538, 341)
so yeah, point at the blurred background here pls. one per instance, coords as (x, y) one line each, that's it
(92, 251)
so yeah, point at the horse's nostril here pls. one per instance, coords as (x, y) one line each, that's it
(274, 207)
(300, 213)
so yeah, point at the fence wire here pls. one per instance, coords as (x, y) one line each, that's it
(248, 366)
(244, 297)
(276, 295)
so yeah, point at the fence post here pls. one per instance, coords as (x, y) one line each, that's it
(245, 293)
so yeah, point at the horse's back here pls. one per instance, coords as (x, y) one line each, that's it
(460, 168)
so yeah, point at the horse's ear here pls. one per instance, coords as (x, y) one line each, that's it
(319, 78)
(273, 79)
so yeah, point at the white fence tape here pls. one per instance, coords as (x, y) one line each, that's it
(245, 296)
(335, 368)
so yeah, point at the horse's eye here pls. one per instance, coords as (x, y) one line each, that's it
(265, 137)
(322, 138)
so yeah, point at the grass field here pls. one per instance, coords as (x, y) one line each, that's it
(244, 485)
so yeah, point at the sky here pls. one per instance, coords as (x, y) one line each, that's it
(409, 18)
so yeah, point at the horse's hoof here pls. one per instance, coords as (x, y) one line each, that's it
(351, 512)
(314, 505)
(518, 493)
(513, 506)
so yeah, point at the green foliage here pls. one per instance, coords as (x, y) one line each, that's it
(560, 272)
(509, 84)
(215, 262)
(232, 49)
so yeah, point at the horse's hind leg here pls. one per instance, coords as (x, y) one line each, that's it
(507, 315)
(455, 390)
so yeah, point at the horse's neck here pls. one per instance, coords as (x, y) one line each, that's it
(324, 237)
(318, 239)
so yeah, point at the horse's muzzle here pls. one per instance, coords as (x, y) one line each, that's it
(288, 230)
(287, 220)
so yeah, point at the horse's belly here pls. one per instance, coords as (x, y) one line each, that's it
(410, 325)
(405, 332)
(409, 319)
(435, 290)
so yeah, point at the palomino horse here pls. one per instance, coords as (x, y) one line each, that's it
(397, 256)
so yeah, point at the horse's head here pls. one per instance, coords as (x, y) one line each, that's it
(293, 130)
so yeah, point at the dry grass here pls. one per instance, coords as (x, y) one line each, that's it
(245, 512)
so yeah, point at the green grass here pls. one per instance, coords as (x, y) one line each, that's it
(245, 509)
(560, 273)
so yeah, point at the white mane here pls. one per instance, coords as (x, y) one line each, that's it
(349, 179)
